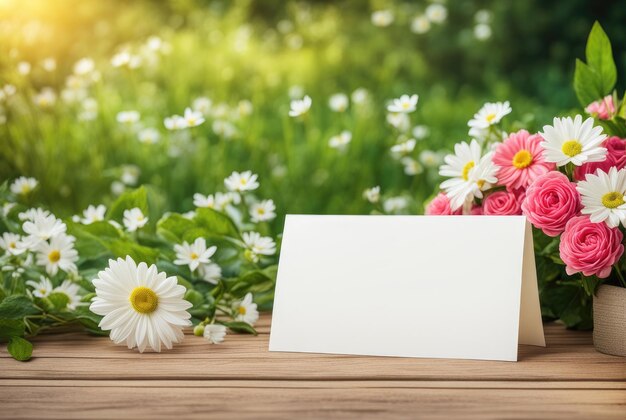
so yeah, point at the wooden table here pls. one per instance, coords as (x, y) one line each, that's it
(73, 375)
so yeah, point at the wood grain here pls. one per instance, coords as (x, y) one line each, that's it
(76, 376)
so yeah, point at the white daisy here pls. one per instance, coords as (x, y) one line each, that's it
(372, 194)
(491, 113)
(400, 121)
(148, 135)
(57, 254)
(338, 102)
(70, 290)
(130, 174)
(6, 208)
(360, 96)
(31, 214)
(23, 67)
(11, 243)
(45, 98)
(200, 200)
(411, 166)
(84, 66)
(382, 18)
(202, 105)
(430, 158)
(23, 185)
(128, 117)
(341, 140)
(300, 106)
(403, 104)
(42, 288)
(93, 214)
(436, 13)
(573, 141)
(403, 148)
(258, 245)
(214, 333)
(193, 118)
(175, 122)
(134, 219)
(470, 173)
(224, 129)
(246, 310)
(240, 182)
(395, 204)
(262, 211)
(420, 132)
(245, 108)
(194, 254)
(141, 306)
(42, 228)
(211, 273)
(420, 24)
(603, 196)
(49, 64)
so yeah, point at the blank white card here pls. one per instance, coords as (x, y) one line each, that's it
(415, 286)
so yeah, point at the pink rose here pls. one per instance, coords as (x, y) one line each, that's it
(550, 202)
(590, 248)
(603, 109)
(615, 156)
(476, 210)
(502, 203)
(440, 206)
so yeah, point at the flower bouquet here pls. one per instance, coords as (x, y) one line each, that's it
(569, 180)
(105, 270)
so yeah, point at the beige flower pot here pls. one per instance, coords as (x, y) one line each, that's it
(609, 320)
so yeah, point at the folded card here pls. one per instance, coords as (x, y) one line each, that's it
(416, 286)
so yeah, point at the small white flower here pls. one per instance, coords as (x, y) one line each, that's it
(258, 245)
(430, 159)
(382, 18)
(49, 64)
(240, 182)
(295, 92)
(23, 68)
(128, 117)
(411, 166)
(338, 102)
(395, 204)
(31, 214)
(193, 118)
(175, 122)
(436, 13)
(399, 120)
(404, 148)
(341, 140)
(482, 16)
(207, 201)
(224, 129)
(360, 96)
(420, 132)
(195, 254)
(6, 208)
(420, 25)
(403, 104)
(57, 254)
(372, 194)
(244, 107)
(214, 333)
(93, 214)
(134, 219)
(141, 306)
(262, 211)
(23, 185)
(491, 113)
(11, 243)
(148, 135)
(126, 59)
(202, 105)
(42, 228)
(42, 288)
(246, 310)
(117, 187)
(211, 273)
(482, 32)
(45, 98)
(70, 290)
(130, 174)
(300, 106)
(573, 141)
(84, 66)
(603, 196)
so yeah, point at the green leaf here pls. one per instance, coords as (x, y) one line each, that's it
(241, 327)
(16, 307)
(586, 84)
(11, 328)
(194, 297)
(173, 226)
(89, 245)
(600, 58)
(216, 223)
(58, 300)
(128, 200)
(139, 253)
(20, 348)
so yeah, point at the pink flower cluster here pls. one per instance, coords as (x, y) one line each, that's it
(529, 185)
(603, 109)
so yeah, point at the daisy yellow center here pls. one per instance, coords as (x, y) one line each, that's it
(242, 310)
(261, 210)
(12, 245)
(480, 183)
(194, 256)
(54, 256)
(144, 300)
(522, 159)
(468, 166)
(490, 117)
(242, 181)
(612, 200)
(405, 105)
(25, 189)
(572, 148)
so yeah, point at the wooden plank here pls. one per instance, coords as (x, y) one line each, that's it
(255, 402)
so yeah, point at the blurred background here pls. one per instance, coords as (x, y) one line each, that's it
(86, 86)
